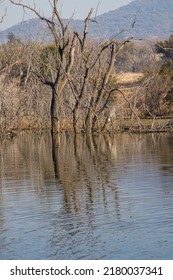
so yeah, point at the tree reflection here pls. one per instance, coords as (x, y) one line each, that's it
(81, 165)
(80, 186)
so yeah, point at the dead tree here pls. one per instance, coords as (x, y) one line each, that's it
(83, 69)
(4, 14)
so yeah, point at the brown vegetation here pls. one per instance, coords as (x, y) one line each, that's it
(24, 101)
(81, 85)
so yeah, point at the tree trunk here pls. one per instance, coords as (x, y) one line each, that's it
(88, 122)
(55, 128)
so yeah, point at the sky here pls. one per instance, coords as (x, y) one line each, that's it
(79, 8)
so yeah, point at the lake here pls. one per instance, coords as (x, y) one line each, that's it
(101, 197)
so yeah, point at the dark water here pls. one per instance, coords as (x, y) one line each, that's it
(95, 198)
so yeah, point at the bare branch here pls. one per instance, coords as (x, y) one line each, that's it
(85, 32)
(96, 11)
(130, 105)
(32, 9)
(56, 13)
(2, 18)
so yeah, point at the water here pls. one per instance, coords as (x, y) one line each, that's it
(95, 198)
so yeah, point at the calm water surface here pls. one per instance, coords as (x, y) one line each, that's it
(95, 198)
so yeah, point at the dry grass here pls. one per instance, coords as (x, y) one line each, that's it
(129, 78)
(149, 125)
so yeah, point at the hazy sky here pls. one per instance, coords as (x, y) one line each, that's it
(67, 7)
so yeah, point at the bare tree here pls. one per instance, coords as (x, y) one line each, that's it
(83, 73)
(5, 11)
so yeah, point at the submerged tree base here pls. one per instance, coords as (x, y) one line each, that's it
(117, 126)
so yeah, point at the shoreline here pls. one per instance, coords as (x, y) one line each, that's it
(159, 125)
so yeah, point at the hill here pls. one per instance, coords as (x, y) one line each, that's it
(153, 19)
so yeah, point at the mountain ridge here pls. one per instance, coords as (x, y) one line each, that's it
(152, 18)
